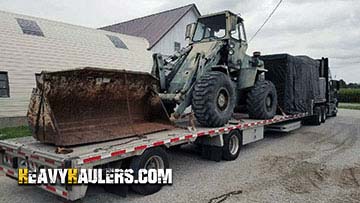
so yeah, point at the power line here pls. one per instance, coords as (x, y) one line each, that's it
(267, 19)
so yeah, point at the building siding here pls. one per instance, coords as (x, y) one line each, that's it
(176, 34)
(64, 46)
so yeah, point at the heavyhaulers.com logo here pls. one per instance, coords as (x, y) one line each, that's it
(75, 176)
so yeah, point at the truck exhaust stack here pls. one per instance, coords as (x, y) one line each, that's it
(93, 105)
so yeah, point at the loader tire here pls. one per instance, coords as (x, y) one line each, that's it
(213, 99)
(152, 158)
(262, 100)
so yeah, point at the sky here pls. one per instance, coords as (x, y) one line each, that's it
(317, 28)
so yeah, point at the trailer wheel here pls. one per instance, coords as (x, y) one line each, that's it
(152, 158)
(213, 99)
(232, 145)
(323, 114)
(317, 117)
(262, 100)
(328, 113)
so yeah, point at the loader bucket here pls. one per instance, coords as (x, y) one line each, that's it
(93, 105)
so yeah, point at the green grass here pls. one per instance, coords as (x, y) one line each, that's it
(349, 104)
(14, 132)
(349, 95)
(353, 106)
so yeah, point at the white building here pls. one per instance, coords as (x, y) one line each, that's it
(165, 31)
(30, 45)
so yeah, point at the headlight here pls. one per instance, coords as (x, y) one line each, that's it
(231, 52)
(232, 45)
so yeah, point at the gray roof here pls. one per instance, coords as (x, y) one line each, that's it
(152, 27)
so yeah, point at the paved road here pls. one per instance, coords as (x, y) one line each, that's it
(312, 164)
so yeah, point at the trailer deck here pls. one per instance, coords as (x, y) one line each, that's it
(91, 155)
(97, 151)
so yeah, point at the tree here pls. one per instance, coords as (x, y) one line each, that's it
(342, 84)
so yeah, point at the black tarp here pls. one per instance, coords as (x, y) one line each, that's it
(296, 79)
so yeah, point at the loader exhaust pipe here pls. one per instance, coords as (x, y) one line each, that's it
(93, 105)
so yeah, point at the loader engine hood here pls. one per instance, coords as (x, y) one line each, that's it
(92, 105)
(200, 57)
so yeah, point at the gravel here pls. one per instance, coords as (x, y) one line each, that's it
(312, 164)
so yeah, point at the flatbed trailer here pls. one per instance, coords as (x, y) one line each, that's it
(36, 154)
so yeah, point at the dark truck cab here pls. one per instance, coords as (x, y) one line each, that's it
(331, 89)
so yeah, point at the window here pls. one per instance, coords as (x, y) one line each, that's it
(177, 46)
(117, 42)
(235, 34)
(30, 27)
(242, 32)
(4, 85)
(210, 27)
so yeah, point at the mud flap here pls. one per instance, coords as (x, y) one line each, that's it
(121, 189)
(213, 153)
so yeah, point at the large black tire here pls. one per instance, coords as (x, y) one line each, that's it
(262, 100)
(317, 117)
(232, 145)
(139, 162)
(213, 99)
(323, 114)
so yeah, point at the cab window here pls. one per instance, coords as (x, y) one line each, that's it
(235, 34)
(242, 32)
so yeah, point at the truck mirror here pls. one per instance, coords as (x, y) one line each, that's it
(190, 31)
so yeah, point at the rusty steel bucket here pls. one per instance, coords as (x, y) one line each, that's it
(93, 105)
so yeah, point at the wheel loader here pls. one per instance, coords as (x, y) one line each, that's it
(214, 75)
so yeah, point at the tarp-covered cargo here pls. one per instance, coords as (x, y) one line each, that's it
(296, 79)
(91, 105)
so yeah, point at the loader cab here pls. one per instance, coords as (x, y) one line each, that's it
(226, 27)
(220, 26)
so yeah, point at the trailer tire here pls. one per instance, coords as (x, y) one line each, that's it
(323, 114)
(232, 145)
(317, 117)
(262, 100)
(213, 99)
(141, 162)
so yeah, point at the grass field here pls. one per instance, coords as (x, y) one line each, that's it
(354, 106)
(349, 95)
(14, 132)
